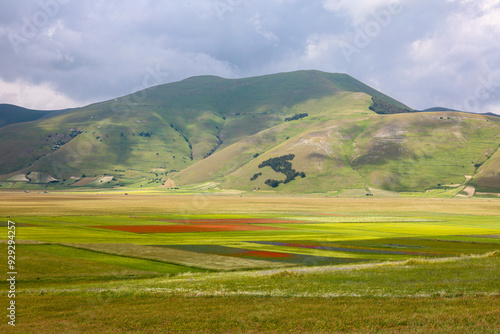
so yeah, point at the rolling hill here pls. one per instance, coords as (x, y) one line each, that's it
(11, 114)
(210, 132)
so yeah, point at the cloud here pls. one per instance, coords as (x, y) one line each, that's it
(104, 50)
(361, 10)
(33, 96)
(268, 35)
(423, 52)
(461, 53)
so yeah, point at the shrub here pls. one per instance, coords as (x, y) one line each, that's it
(296, 117)
(255, 176)
(273, 183)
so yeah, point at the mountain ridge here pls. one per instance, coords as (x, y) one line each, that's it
(12, 114)
(210, 129)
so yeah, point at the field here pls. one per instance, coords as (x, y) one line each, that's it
(156, 263)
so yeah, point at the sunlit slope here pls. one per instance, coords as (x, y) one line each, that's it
(93, 140)
(220, 131)
(404, 152)
(424, 150)
(237, 163)
(487, 178)
(167, 127)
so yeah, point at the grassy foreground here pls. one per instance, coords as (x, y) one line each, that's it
(176, 314)
(382, 300)
(267, 264)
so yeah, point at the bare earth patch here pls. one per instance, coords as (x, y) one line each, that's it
(84, 181)
(470, 190)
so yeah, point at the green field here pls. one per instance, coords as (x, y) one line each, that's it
(154, 263)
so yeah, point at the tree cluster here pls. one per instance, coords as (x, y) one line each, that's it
(280, 165)
(296, 117)
(382, 107)
(73, 133)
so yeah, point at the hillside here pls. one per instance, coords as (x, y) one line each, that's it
(219, 131)
(405, 152)
(11, 114)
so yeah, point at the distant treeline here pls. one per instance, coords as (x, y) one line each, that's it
(382, 107)
(280, 165)
(296, 116)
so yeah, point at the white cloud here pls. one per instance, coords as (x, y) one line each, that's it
(360, 10)
(33, 96)
(321, 47)
(493, 108)
(467, 34)
(461, 54)
(424, 52)
(268, 35)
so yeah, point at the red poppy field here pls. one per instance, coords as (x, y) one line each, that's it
(236, 221)
(205, 225)
(186, 226)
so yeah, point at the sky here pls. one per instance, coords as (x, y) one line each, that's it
(57, 54)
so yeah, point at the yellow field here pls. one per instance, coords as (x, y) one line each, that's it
(57, 204)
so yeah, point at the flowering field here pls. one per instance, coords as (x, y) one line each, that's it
(219, 241)
(299, 259)
(184, 228)
(205, 225)
(391, 263)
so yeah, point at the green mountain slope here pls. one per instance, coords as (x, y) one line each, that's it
(404, 152)
(11, 114)
(210, 129)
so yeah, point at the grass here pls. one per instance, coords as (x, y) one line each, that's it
(148, 203)
(154, 267)
(422, 297)
(205, 261)
(446, 277)
(414, 265)
(175, 314)
(36, 262)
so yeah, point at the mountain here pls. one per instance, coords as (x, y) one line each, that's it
(449, 109)
(298, 132)
(439, 109)
(11, 114)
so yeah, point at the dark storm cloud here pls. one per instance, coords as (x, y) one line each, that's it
(424, 52)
